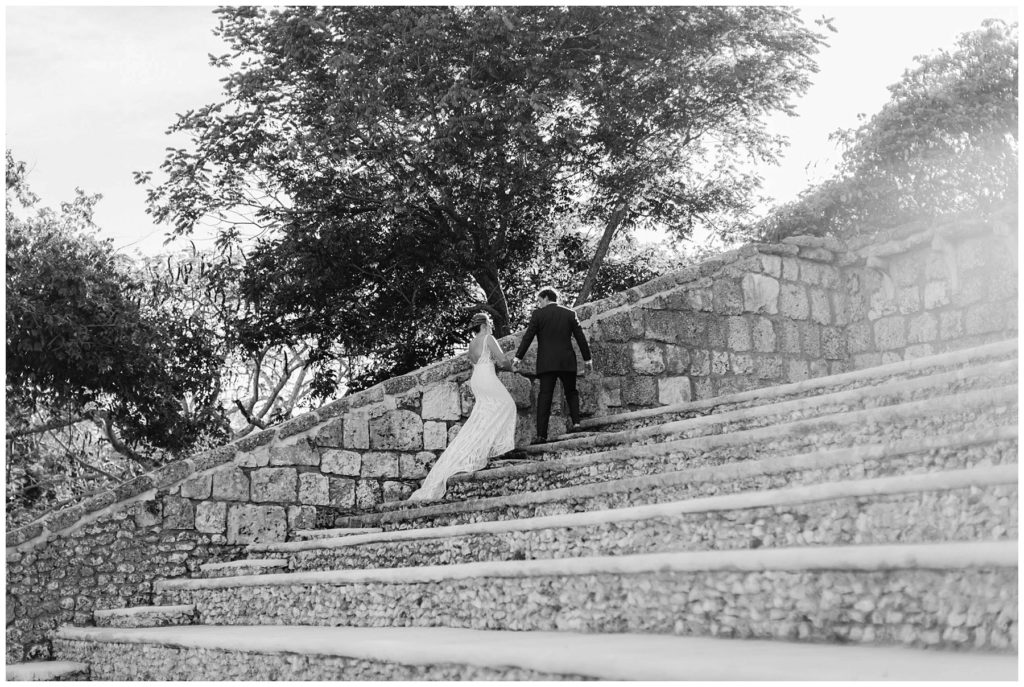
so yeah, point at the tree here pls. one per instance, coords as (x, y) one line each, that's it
(87, 343)
(945, 143)
(401, 164)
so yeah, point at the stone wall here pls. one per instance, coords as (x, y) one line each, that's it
(757, 316)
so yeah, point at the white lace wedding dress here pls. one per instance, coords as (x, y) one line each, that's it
(489, 431)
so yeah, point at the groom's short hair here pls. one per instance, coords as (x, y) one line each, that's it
(549, 293)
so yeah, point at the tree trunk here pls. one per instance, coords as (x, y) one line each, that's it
(602, 250)
(488, 279)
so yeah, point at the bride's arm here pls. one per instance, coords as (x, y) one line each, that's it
(501, 360)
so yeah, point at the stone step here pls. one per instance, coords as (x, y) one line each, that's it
(954, 594)
(979, 447)
(921, 419)
(266, 653)
(250, 566)
(334, 532)
(974, 504)
(48, 671)
(917, 367)
(146, 616)
(953, 382)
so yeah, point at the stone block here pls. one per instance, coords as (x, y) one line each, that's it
(661, 325)
(789, 336)
(797, 370)
(639, 391)
(435, 436)
(739, 334)
(415, 465)
(342, 492)
(936, 294)
(918, 351)
(198, 487)
(819, 368)
(820, 310)
(249, 524)
(256, 458)
(772, 265)
(623, 326)
(395, 491)
(274, 484)
(338, 462)
(741, 363)
(356, 432)
(673, 390)
(254, 440)
(647, 357)
(793, 302)
(719, 363)
(907, 269)
(810, 338)
(704, 388)
(298, 425)
(400, 430)
(368, 494)
(790, 269)
(891, 332)
(179, 513)
(314, 489)
(611, 358)
(300, 453)
(859, 337)
(453, 432)
(760, 294)
(763, 335)
(727, 297)
(908, 299)
(951, 325)
(609, 396)
(700, 363)
(231, 484)
(880, 305)
(769, 367)
(833, 343)
(332, 434)
(441, 402)
(211, 517)
(984, 318)
(865, 360)
(923, 328)
(378, 464)
(301, 517)
(677, 359)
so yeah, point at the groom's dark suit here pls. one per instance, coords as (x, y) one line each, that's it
(555, 326)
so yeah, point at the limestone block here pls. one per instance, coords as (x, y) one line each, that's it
(397, 429)
(772, 265)
(179, 513)
(789, 336)
(248, 524)
(231, 484)
(314, 489)
(356, 432)
(842, 307)
(793, 302)
(301, 517)
(717, 333)
(395, 491)
(415, 465)
(435, 436)
(951, 325)
(797, 370)
(739, 334)
(908, 299)
(611, 358)
(256, 458)
(769, 367)
(810, 338)
(661, 325)
(525, 429)
(880, 305)
(368, 494)
(337, 462)
(211, 517)
(198, 487)
(986, 317)
(790, 269)
(760, 293)
(379, 464)
(727, 297)
(441, 402)
(972, 289)
(865, 360)
(610, 397)
(819, 368)
(453, 432)
(891, 332)
(833, 343)
(700, 363)
(719, 362)
(647, 357)
(891, 357)
(820, 310)
(332, 434)
(923, 328)
(741, 363)
(936, 294)
(677, 359)
(640, 391)
(918, 351)
(274, 484)
(763, 335)
(342, 492)
(588, 387)
(859, 337)
(673, 390)
(466, 399)
(300, 453)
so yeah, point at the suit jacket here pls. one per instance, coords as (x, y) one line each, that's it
(554, 326)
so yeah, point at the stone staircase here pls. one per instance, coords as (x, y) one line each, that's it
(857, 526)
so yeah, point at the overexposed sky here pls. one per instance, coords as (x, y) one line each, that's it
(90, 92)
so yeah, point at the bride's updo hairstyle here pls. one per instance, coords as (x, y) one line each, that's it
(479, 320)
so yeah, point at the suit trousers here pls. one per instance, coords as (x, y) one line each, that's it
(547, 392)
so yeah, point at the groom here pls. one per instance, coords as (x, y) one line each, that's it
(554, 326)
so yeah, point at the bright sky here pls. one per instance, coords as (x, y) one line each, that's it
(90, 92)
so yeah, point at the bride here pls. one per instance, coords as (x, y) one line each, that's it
(491, 427)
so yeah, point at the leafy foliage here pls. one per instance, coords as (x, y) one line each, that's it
(401, 165)
(946, 143)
